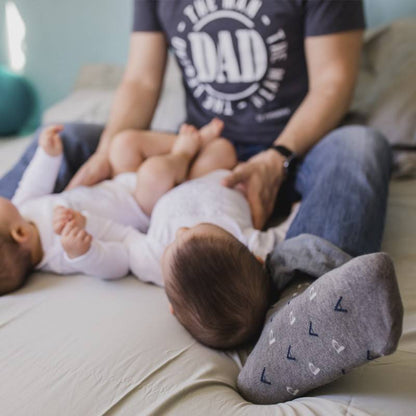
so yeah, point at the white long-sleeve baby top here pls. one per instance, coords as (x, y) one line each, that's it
(202, 200)
(117, 224)
(111, 211)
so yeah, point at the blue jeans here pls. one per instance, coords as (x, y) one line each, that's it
(342, 181)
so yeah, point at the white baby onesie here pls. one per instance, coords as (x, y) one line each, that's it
(111, 210)
(202, 200)
(117, 246)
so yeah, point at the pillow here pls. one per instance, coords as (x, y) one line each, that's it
(94, 91)
(385, 97)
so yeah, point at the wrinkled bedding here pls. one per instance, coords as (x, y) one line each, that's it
(75, 345)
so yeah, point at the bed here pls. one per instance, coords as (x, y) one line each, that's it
(75, 345)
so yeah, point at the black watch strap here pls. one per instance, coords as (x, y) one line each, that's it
(291, 159)
(283, 150)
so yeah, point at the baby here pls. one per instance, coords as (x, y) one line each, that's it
(199, 244)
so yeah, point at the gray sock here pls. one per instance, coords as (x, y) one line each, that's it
(305, 254)
(347, 317)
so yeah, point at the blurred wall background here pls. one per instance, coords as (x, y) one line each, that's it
(62, 36)
(3, 59)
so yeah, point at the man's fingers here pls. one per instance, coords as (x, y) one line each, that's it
(240, 174)
(83, 177)
(78, 179)
(256, 207)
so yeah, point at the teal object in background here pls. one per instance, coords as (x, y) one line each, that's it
(16, 102)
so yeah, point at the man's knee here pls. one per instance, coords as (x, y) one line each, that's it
(361, 140)
(361, 145)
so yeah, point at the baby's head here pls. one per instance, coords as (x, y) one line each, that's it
(15, 254)
(218, 290)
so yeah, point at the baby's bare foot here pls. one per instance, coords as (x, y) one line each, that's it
(50, 141)
(188, 142)
(211, 131)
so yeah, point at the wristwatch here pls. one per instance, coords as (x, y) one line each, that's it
(291, 162)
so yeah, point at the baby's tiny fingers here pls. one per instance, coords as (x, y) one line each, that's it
(60, 210)
(58, 223)
(81, 234)
(71, 226)
(66, 230)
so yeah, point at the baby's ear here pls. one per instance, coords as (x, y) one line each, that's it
(171, 309)
(20, 234)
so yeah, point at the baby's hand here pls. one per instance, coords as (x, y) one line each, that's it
(50, 141)
(75, 241)
(63, 215)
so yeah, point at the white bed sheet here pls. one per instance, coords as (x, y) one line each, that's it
(76, 345)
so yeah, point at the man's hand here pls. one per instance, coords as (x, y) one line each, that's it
(63, 215)
(50, 141)
(260, 179)
(75, 241)
(96, 169)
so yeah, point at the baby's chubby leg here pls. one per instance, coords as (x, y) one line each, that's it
(130, 148)
(159, 174)
(217, 154)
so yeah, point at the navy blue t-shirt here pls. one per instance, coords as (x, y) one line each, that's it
(244, 60)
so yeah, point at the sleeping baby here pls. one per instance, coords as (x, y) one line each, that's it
(200, 244)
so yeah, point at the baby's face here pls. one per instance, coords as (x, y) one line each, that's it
(8, 215)
(183, 234)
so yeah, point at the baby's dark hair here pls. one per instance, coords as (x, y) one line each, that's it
(219, 291)
(15, 264)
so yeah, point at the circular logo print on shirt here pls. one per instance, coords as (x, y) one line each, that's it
(226, 61)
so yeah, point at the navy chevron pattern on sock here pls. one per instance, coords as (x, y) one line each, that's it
(289, 354)
(263, 377)
(311, 331)
(338, 306)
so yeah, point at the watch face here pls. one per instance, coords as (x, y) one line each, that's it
(290, 164)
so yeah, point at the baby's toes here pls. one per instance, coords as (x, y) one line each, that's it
(192, 130)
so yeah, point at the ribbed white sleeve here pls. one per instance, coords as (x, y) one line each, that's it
(39, 177)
